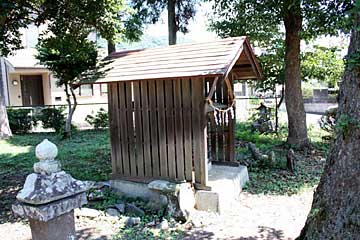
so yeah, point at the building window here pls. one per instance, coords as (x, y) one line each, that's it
(103, 89)
(86, 90)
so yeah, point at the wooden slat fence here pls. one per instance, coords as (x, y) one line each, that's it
(157, 129)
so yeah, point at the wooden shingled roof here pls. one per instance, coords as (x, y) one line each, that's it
(216, 58)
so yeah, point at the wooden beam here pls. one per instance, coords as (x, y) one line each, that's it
(213, 87)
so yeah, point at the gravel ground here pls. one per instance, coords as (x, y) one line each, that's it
(252, 217)
(256, 217)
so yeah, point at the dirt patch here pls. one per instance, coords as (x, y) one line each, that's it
(9, 187)
(252, 217)
(256, 217)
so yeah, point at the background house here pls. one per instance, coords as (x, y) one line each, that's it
(31, 84)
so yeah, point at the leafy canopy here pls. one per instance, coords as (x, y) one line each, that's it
(149, 11)
(263, 23)
(112, 19)
(66, 49)
(68, 56)
(14, 15)
(323, 64)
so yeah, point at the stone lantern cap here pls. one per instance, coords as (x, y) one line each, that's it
(49, 183)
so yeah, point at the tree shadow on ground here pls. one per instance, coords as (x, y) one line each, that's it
(264, 233)
(90, 233)
(11, 183)
(198, 234)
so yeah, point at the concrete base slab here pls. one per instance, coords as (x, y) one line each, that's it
(137, 190)
(226, 184)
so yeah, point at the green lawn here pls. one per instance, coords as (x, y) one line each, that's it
(275, 178)
(86, 156)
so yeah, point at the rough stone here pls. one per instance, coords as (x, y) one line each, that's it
(164, 225)
(120, 207)
(131, 221)
(112, 212)
(96, 195)
(186, 199)
(132, 209)
(87, 212)
(164, 187)
(51, 210)
(40, 188)
(180, 198)
(137, 190)
(100, 185)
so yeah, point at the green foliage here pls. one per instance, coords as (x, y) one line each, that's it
(68, 56)
(110, 198)
(21, 120)
(14, 15)
(263, 21)
(112, 19)
(100, 120)
(345, 123)
(353, 60)
(53, 118)
(149, 11)
(274, 178)
(323, 64)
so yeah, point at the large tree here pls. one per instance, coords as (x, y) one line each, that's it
(335, 212)
(265, 21)
(179, 14)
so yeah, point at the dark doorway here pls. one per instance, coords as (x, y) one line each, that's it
(32, 90)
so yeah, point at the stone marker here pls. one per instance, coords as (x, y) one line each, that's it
(180, 197)
(49, 197)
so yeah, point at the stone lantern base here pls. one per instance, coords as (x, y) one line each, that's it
(49, 197)
(59, 228)
(53, 220)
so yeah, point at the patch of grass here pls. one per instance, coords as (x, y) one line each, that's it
(142, 231)
(274, 178)
(86, 156)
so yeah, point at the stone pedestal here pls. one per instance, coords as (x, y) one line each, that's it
(59, 228)
(226, 184)
(49, 197)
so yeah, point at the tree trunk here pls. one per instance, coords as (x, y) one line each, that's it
(71, 109)
(335, 212)
(293, 96)
(111, 47)
(5, 131)
(277, 106)
(172, 22)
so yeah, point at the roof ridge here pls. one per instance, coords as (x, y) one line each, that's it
(130, 51)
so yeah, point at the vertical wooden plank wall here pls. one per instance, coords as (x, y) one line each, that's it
(157, 129)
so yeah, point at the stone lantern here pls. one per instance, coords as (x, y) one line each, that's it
(49, 197)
